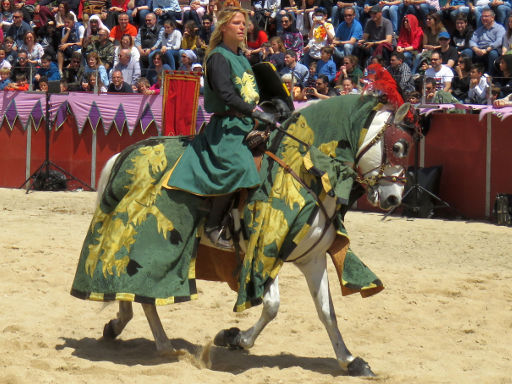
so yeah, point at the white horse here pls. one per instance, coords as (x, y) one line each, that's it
(385, 187)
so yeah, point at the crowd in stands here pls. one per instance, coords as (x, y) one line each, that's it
(437, 50)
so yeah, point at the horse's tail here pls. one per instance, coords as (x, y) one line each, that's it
(104, 176)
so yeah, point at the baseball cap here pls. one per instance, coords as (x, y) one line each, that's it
(444, 35)
(376, 8)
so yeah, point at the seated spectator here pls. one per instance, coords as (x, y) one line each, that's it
(320, 35)
(299, 71)
(166, 10)
(347, 87)
(126, 43)
(275, 53)
(62, 11)
(190, 38)
(42, 84)
(419, 8)
(433, 27)
(6, 16)
(325, 66)
(196, 67)
(349, 68)
(158, 68)
(460, 82)
(462, 35)
(410, 39)
(502, 9)
(73, 72)
(138, 13)
(94, 26)
(292, 38)
(347, 34)
(413, 97)
(477, 8)
(507, 39)
(4, 63)
(294, 90)
(5, 78)
(455, 8)
(48, 70)
(35, 50)
(401, 72)
(170, 37)
(94, 65)
(123, 28)
(71, 41)
(118, 84)
(487, 41)
(18, 28)
(194, 13)
(155, 88)
(478, 85)
(64, 86)
(188, 57)
(255, 39)
(143, 86)
(205, 32)
(390, 10)
(49, 38)
(440, 72)
(321, 90)
(11, 55)
(448, 52)
(312, 75)
(117, 7)
(103, 47)
(148, 40)
(505, 81)
(377, 37)
(130, 68)
(21, 84)
(22, 66)
(91, 83)
(434, 95)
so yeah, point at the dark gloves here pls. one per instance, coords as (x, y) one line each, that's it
(264, 117)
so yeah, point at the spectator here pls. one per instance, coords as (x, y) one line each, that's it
(377, 36)
(448, 52)
(205, 31)
(440, 72)
(130, 68)
(433, 27)
(94, 65)
(255, 39)
(71, 41)
(505, 82)
(21, 83)
(126, 43)
(502, 9)
(460, 82)
(22, 66)
(477, 9)
(320, 35)
(326, 66)
(190, 38)
(62, 11)
(170, 37)
(49, 38)
(312, 75)
(138, 13)
(18, 28)
(413, 97)
(507, 39)
(294, 90)
(455, 8)
(10, 53)
(347, 87)
(6, 14)
(487, 41)
(321, 90)
(196, 67)
(35, 50)
(73, 72)
(275, 53)
(154, 89)
(410, 39)
(461, 36)
(43, 84)
(478, 85)
(118, 84)
(48, 69)
(347, 34)
(433, 95)
(148, 40)
(419, 8)
(103, 47)
(4, 63)
(194, 13)
(117, 7)
(350, 69)
(91, 83)
(401, 72)
(64, 86)
(166, 10)
(292, 38)
(143, 86)
(5, 78)
(91, 32)
(299, 71)
(158, 68)
(390, 11)
(188, 57)
(124, 28)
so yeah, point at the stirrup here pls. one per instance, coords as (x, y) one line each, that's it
(220, 237)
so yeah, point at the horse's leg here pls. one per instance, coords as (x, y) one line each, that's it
(315, 272)
(115, 326)
(163, 344)
(234, 338)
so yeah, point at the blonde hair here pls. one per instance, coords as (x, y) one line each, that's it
(224, 17)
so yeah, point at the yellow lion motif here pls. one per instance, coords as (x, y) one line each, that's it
(248, 88)
(137, 204)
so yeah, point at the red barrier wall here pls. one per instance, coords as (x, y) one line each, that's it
(12, 155)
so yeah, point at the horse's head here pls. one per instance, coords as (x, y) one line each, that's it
(383, 156)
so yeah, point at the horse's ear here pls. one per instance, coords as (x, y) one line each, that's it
(401, 112)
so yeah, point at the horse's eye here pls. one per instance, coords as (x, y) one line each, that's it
(401, 148)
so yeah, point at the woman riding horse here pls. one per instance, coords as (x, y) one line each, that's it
(217, 162)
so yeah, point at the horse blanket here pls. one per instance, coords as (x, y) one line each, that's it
(142, 242)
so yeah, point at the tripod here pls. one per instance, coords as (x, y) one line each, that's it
(46, 180)
(416, 190)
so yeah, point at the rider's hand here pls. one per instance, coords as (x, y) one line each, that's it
(264, 117)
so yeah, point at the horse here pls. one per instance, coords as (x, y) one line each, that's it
(368, 144)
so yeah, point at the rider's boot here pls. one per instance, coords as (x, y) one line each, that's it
(214, 228)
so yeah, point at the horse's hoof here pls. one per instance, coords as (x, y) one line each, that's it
(228, 338)
(359, 367)
(108, 331)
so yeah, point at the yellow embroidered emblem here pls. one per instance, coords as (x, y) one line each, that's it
(248, 89)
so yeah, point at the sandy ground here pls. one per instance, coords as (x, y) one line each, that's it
(444, 317)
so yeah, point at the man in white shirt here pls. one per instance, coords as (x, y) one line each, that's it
(442, 73)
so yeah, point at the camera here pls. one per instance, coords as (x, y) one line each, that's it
(310, 91)
(318, 18)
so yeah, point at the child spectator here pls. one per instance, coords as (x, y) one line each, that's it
(326, 66)
(320, 35)
(64, 86)
(5, 78)
(21, 84)
(72, 36)
(478, 85)
(4, 63)
(11, 55)
(43, 84)
(347, 87)
(310, 83)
